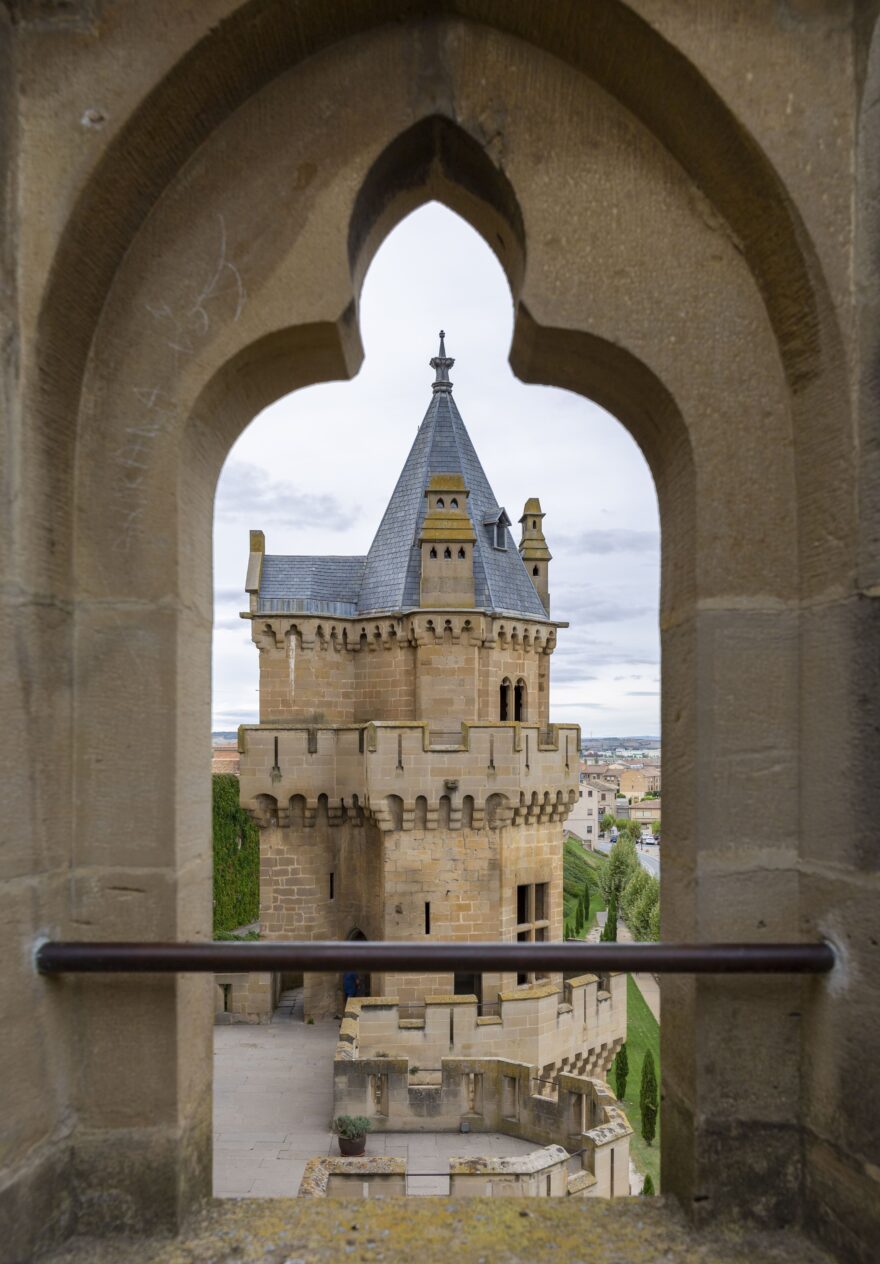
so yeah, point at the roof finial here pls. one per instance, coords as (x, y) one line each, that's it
(441, 364)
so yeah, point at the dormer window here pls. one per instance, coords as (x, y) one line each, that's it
(498, 524)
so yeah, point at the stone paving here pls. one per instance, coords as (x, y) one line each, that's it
(273, 1101)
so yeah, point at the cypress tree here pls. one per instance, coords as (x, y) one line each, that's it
(648, 1187)
(648, 1102)
(585, 903)
(609, 931)
(621, 1072)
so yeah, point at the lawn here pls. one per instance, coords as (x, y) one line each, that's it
(579, 867)
(643, 1030)
(642, 1033)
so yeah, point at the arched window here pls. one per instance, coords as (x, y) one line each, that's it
(461, 553)
(504, 700)
(453, 504)
(467, 811)
(519, 700)
(447, 553)
(535, 570)
(420, 821)
(534, 525)
(433, 553)
(441, 503)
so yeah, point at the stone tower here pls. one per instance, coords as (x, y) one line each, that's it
(404, 772)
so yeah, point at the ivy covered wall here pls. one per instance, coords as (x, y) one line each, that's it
(236, 859)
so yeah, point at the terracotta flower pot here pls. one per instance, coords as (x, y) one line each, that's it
(351, 1146)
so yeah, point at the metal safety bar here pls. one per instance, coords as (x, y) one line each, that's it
(402, 957)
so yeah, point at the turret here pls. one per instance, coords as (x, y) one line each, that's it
(255, 567)
(447, 546)
(533, 549)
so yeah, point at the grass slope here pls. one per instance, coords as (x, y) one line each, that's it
(643, 1030)
(579, 867)
(642, 1034)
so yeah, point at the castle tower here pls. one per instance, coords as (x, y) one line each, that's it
(404, 773)
(533, 549)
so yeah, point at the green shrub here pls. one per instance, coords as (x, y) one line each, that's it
(648, 1187)
(621, 1072)
(351, 1127)
(648, 1099)
(236, 858)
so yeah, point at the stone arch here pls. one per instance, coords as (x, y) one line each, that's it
(467, 811)
(420, 815)
(443, 811)
(297, 811)
(164, 436)
(394, 807)
(520, 700)
(496, 810)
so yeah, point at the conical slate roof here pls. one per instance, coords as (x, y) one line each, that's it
(390, 576)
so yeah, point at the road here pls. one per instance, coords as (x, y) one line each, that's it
(649, 857)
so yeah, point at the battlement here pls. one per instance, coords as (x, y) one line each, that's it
(574, 1029)
(409, 775)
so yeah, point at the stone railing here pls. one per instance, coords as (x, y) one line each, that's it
(399, 775)
(368, 1177)
(494, 1095)
(578, 1029)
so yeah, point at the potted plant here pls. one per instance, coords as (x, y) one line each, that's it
(351, 1131)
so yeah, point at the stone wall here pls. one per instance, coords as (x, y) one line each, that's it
(575, 1029)
(245, 997)
(490, 1094)
(694, 187)
(440, 664)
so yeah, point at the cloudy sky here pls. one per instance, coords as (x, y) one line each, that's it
(316, 469)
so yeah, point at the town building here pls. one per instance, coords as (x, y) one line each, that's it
(595, 800)
(635, 783)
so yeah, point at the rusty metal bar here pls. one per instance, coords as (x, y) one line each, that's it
(404, 957)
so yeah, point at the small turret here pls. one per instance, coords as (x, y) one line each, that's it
(255, 567)
(447, 546)
(533, 549)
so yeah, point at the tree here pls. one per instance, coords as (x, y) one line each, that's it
(648, 1187)
(622, 863)
(621, 1072)
(648, 1101)
(578, 919)
(632, 894)
(640, 924)
(609, 930)
(654, 924)
(607, 823)
(585, 903)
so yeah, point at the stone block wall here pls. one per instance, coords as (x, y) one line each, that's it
(493, 1095)
(245, 997)
(579, 1029)
(438, 665)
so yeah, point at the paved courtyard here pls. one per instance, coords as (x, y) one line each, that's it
(273, 1101)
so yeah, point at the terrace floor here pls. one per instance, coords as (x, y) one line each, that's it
(273, 1101)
